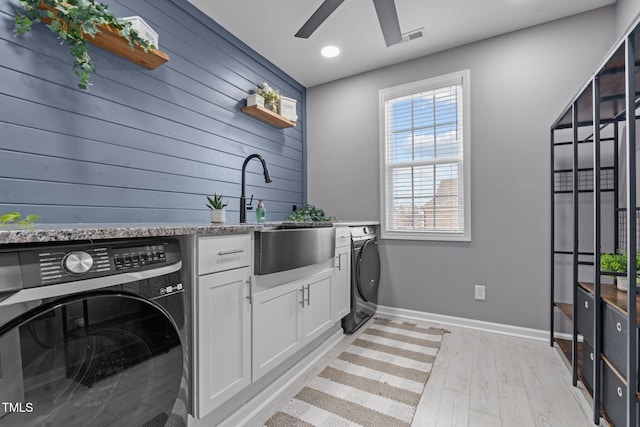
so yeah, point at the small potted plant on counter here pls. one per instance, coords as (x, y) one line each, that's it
(617, 263)
(217, 205)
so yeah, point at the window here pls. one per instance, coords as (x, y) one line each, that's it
(424, 141)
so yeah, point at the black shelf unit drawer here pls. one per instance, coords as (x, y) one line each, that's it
(587, 365)
(614, 338)
(586, 312)
(614, 397)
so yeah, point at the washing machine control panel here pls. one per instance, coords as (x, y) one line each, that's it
(128, 258)
(77, 262)
(60, 264)
(366, 232)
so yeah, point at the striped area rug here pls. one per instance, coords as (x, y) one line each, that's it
(376, 381)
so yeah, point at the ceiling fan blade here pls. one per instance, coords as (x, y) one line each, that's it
(318, 18)
(388, 17)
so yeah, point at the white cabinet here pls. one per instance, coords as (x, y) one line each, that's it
(316, 313)
(223, 322)
(286, 317)
(342, 280)
(220, 253)
(277, 328)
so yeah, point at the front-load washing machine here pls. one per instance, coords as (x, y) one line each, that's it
(365, 277)
(93, 334)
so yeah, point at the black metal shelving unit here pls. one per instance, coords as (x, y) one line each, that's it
(601, 117)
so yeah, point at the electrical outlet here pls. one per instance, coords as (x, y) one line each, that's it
(481, 292)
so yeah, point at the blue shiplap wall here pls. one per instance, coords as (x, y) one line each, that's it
(141, 145)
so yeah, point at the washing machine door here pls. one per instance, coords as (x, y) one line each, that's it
(368, 272)
(93, 359)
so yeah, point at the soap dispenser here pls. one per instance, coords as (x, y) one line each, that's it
(260, 212)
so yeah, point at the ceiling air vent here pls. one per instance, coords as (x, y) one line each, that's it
(412, 35)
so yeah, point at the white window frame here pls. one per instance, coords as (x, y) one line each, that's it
(413, 88)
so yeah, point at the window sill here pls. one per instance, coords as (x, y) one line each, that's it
(426, 236)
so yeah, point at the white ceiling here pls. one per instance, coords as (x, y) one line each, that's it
(269, 27)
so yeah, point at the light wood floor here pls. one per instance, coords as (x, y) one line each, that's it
(484, 379)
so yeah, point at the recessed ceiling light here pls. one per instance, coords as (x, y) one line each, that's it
(330, 51)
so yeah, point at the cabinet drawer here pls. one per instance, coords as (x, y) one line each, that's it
(219, 253)
(585, 311)
(614, 338)
(587, 365)
(614, 397)
(343, 237)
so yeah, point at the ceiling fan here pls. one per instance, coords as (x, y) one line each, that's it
(387, 16)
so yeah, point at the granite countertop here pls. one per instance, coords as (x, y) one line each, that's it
(92, 231)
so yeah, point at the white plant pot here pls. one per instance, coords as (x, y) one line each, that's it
(255, 99)
(623, 284)
(217, 216)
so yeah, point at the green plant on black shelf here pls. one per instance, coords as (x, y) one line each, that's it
(70, 21)
(216, 202)
(616, 263)
(15, 218)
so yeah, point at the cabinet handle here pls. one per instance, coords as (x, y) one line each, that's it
(339, 258)
(302, 302)
(586, 304)
(249, 296)
(308, 294)
(591, 356)
(620, 391)
(231, 252)
(345, 237)
(619, 327)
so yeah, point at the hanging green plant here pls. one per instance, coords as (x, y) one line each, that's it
(15, 218)
(72, 21)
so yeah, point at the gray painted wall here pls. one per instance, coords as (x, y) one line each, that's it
(626, 13)
(520, 82)
(141, 145)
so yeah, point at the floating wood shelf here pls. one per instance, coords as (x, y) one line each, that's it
(110, 39)
(268, 116)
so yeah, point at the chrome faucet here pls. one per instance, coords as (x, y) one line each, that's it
(243, 199)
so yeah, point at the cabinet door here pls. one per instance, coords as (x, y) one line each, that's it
(223, 364)
(277, 332)
(341, 291)
(316, 312)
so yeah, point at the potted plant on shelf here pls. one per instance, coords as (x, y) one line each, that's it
(217, 206)
(271, 96)
(617, 263)
(72, 21)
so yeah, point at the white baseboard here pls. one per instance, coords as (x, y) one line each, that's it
(272, 392)
(498, 328)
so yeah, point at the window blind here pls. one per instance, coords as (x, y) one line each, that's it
(423, 160)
